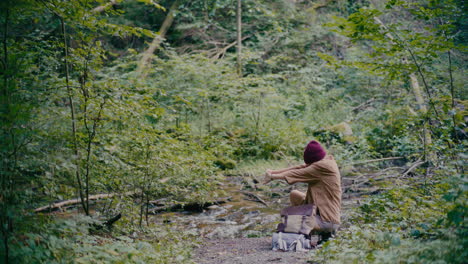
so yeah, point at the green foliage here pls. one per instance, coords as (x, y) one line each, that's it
(77, 119)
(71, 241)
(412, 223)
(390, 136)
(423, 45)
(399, 50)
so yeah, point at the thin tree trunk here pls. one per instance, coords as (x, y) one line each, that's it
(422, 107)
(428, 91)
(208, 116)
(5, 243)
(142, 206)
(454, 120)
(5, 181)
(239, 37)
(144, 187)
(417, 93)
(85, 121)
(146, 59)
(147, 211)
(259, 112)
(452, 95)
(452, 88)
(5, 55)
(72, 111)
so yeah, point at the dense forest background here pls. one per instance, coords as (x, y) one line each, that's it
(142, 100)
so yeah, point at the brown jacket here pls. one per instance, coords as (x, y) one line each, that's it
(324, 189)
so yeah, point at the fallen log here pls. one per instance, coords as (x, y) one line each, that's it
(58, 205)
(364, 179)
(159, 202)
(375, 160)
(361, 180)
(193, 207)
(412, 167)
(109, 222)
(254, 197)
(363, 193)
(363, 105)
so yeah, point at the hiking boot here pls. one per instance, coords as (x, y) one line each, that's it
(324, 237)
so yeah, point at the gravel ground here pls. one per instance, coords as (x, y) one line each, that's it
(245, 251)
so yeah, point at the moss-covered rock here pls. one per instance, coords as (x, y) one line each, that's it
(225, 163)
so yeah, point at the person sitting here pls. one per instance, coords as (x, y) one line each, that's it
(322, 175)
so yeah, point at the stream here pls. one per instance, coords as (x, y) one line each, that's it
(239, 216)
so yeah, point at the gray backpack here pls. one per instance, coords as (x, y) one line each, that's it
(290, 242)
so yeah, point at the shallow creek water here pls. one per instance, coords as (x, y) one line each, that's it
(238, 217)
(241, 216)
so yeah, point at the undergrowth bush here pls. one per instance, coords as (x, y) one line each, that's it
(75, 240)
(390, 136)
(418, 222)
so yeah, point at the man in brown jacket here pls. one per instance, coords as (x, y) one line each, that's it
(322, 175)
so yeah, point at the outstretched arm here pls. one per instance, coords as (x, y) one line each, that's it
(287, 169)
(303, 173)
(276, 174)
(269, 177)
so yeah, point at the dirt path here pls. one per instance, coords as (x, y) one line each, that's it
(245, 251)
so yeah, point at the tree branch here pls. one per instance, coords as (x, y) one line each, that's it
(146, 59)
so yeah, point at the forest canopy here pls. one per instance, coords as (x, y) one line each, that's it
(116, 104)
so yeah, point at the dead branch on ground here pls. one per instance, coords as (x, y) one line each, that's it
(255, 198)
(375, 160)
(365, 179)
(58, 205)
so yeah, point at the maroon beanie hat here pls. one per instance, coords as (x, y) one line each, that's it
(313, 152)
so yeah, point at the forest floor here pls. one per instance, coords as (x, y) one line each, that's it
(245, 251)
(240, 230)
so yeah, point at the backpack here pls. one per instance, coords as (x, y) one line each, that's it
(300, 219)
(290, 242)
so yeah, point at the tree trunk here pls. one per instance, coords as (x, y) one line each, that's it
(239, 37)
(5, 183)
(146, 59)
(73, 118)
(422, 107)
